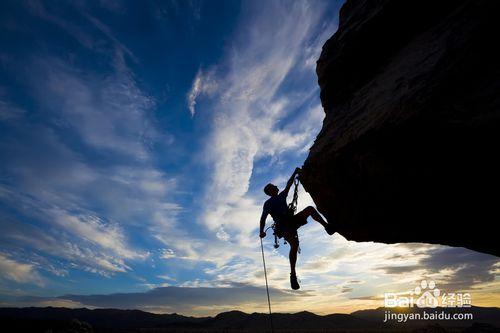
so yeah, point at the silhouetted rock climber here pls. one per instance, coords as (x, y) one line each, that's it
(286, 222)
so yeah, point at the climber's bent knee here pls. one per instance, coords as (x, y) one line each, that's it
(310, 210)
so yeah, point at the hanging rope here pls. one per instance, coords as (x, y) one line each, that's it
(267, 286)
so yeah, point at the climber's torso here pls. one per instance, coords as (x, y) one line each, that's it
(277, 207)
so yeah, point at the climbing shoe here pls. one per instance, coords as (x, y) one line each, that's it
(329, 229)
(293, 281)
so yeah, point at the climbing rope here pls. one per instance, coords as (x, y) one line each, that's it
(267, 286)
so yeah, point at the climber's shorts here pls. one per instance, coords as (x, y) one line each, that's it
(288, 227)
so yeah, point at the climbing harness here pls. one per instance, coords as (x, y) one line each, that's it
(267, 286)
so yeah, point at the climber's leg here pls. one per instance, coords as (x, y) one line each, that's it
(312, 212)
(293, 240)
(294, 248)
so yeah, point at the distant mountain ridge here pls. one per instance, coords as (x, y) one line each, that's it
(113, 320)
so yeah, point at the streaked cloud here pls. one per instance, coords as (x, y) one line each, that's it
(109, 112)
(82, 166)
(250, 108)
(9, 111)
(18, 272)
(204, 84)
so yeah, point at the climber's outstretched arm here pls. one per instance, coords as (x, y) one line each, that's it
(290, 181)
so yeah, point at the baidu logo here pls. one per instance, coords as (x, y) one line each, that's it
(427, 295)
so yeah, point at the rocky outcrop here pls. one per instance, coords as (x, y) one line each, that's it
(409, 149)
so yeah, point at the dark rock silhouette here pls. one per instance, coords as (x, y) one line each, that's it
(409, 147)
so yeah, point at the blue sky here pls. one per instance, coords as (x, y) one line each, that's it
(135, 140)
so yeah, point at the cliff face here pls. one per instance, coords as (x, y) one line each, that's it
(409, 149)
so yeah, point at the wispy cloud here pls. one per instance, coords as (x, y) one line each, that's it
(204, 84)
(38, 8)
(18, 272)
(9, 111)
(254, 120)
(250, 107)
(461, 269)
(108, 112)
(87, 190)
(92, 228)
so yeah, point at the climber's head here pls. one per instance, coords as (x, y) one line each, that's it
(271, 190)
